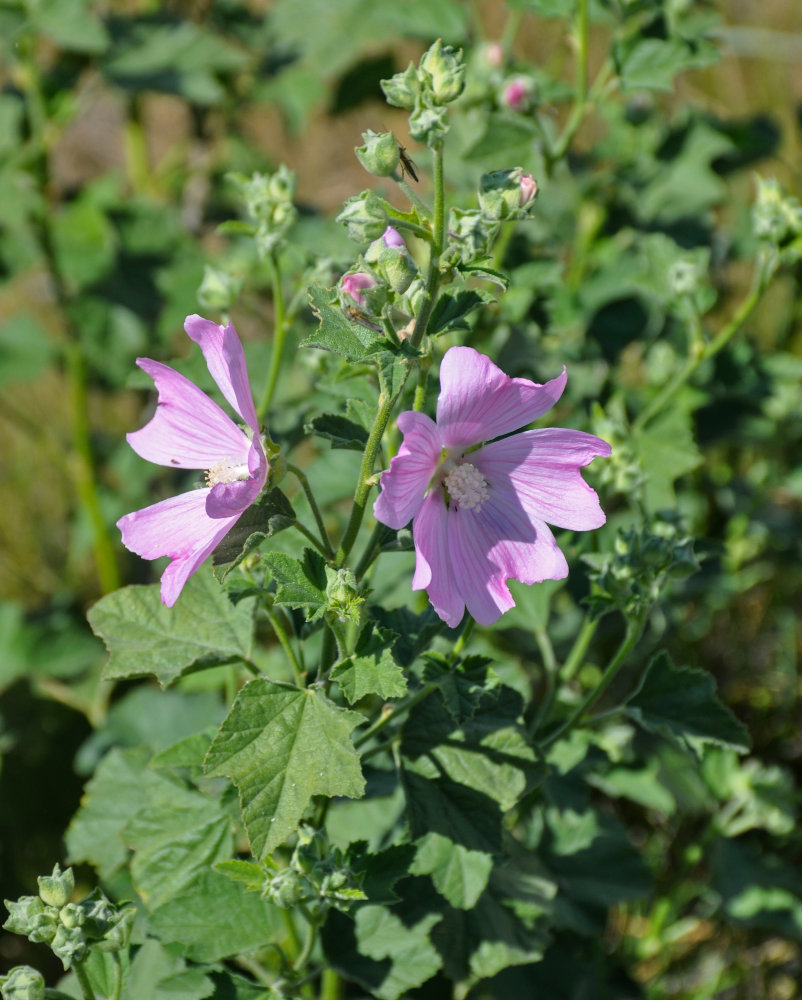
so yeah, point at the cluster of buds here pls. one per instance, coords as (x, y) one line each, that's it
(268, 200)
(504, 196)
(426, 89)
(316, 877)
(631, 578)
(385, 272)
(345, 599)
(777, 220)
(622, 472)
(218, 290)
(69, 929)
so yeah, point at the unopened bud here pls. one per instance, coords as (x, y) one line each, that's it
(364, 217)
(56, 889)
(354, 284)
(518, 93)
(22, 983)
(443, 70)
(528, 189)
(402, 88)
(380, 154)
(502, 193)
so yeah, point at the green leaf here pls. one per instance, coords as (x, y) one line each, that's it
(652, 63)
(342, 432)
(85, 242)
(178, 835)
(457, 873)
(215, 918)
(451, 310)
(439, 805)
(667, 450)
(299, 584)
(157, 975)
(71, 24)
(280, 746)
(144, 637)
(372, 669)
(336, 332)
(25, 349)
(382, 936)
(681, 703)
(271, 513)
(251, 875)
(502, 136)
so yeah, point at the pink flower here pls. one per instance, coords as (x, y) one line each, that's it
(517, 93)
(479, 517)
(354, 284)
(528, 189)
(190, 431)
(392, 238)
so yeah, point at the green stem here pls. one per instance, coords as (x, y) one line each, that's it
(292, 931)
(370, 552)
(83, 981)
(463, 640)
(363, 486)
(438, 241)
(279, 334)
(580, 101)
(312, 537)
(546, 649)
(420, 388)
(300, 475)
(701, 353)
(331, 985)
(388, 717)
(286, 645)
(577, 653)
(423, 209)
(309, 943)
(118, 976)
(633, 633)
(412, 227)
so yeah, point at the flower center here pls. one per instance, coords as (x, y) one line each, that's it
(467, 487)
(227, 471)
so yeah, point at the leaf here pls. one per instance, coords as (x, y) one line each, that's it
(271, 513)
(144, 637)
(336, 332)
(300, 584)
(157, 975)
(178, 835)
(280, 746)
(652, 63)
(251, 875)
(215, 918)
(457, 873)
(382, 935)
(372, 669)
(439, 805)
(681, 703)
(378, 872)
(342, 432)
(667, 451)
(502, 135)
(71, 24)
(451, 310)
(25, 349)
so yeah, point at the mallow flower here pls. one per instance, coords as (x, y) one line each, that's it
(480, 512)
(190, 431)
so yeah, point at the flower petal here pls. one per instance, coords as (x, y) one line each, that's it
(433, 567)
(231, 499)
(188, 430)
(542, 467)
(225, 359)
(404, 484)
(521, 546)
(179, 528)
(479, 402)
(482, 584)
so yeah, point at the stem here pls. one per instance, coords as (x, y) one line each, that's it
(438, 240)
(83, 981)
(420, 388)
(421, 207)
(118, 976)
(580, 102)
(279, 334)
(413, 228)
(369, 554)
(312, 537)
(363, 486)
(701, 354)
(331, 985)
(300, 475)
(633, 633)
(399, 709)
(463, 640)
(546, 649)
(574, 659)
(286, 645)
(309, 943)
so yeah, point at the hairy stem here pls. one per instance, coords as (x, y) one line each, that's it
(300, 475)
(397, 710)
(286, 645)
(438, 240)
(83, 981)
(279, 334)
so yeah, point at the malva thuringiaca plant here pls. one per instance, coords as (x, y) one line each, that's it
(417, 648)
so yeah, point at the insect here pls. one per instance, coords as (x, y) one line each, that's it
(407, 166)
(357, 317)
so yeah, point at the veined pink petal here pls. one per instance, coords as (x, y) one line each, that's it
(404, 484)
(478, 402)
(433, 571)
(542, 468)
(225, 359)
(231, 499)
(178, 528)
(521, 546)
(188, 430)
(482, 585)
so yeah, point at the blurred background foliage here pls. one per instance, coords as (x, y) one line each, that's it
(118, 125)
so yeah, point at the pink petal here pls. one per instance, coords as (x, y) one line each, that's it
(178, 528)
(433, 571)
(478, 402)
(404, 484)
(231, 499)
(188, 430)
(542, 467)
(225, 359)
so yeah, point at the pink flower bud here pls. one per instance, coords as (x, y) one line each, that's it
(392, 238)
(528, 189)
(516, 94)
(353, 285)
(494, 54)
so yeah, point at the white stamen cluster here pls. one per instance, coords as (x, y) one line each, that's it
(467, 487)
(227, 471)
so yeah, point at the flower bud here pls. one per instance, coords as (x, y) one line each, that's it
(393, 262)
(354, 284)
(493, 53)
(218, 290)
(70, 945)
(344, 601)
(22, 983)
(364, 217)
(429, 125)
(402, 89)
(380, 154)
(56, 889)
(392, 238)
(72, 915)
(528, 189)
(500, 193)
(518, 93)
(470, 233)
(442, 72)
